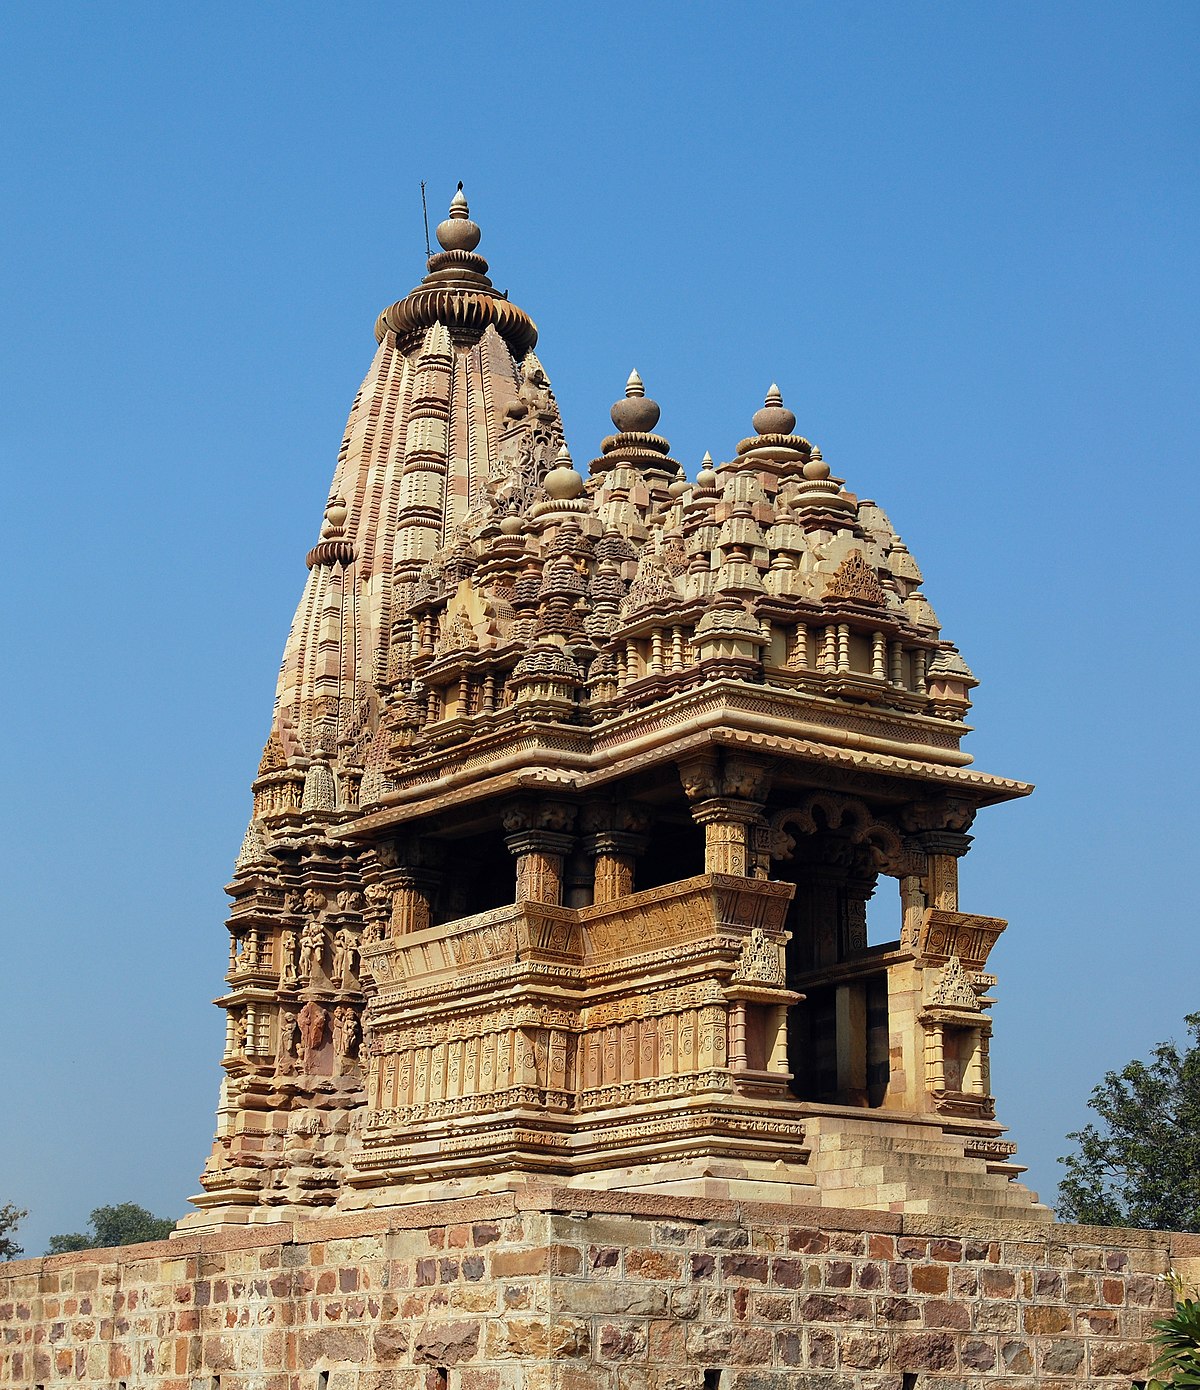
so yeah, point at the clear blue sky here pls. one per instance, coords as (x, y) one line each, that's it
(962, 237)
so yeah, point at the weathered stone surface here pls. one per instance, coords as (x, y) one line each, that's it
(644, 1322)
(484, 653)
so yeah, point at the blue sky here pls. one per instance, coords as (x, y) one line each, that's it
(961, 237)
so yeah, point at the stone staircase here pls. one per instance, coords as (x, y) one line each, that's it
(895, 1166)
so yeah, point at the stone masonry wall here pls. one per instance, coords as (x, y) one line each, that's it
(553, 1289)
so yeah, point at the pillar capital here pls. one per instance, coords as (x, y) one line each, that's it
(720, 773)
(951, 842)
(523, 842)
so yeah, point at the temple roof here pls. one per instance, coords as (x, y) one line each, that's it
(469, 579)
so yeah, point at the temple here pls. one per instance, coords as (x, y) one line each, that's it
(579, 782)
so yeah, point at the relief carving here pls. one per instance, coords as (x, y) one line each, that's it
(759, 961)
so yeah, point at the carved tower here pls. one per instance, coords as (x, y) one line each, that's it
(575, 794)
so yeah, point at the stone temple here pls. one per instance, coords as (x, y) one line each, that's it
(578, 784)
(562, 1052)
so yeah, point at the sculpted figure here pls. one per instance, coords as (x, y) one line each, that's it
(289, 1034)
(343, 956)
(241, 1033)
(314, 899)
(533, 393)
(312, 948)
(287, 956)
(346, 1031)
(311, 1021)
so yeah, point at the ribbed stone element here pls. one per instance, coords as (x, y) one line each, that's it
(457, 294)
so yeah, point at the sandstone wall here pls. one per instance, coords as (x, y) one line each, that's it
(564, 1290)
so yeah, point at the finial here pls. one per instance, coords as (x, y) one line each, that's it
(336, 512)
(707, 477)
(562, 482)
(774, 417)
(458, 232)
(637, 413)
(816, 469)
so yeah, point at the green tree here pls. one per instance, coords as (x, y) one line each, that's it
(10, 1218)
(1141, 1166)
(126, 1224)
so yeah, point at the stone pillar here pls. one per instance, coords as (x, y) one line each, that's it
(777, 1056)
(614, 841)
(738, 1059)
(727, 793)
(935, 1059)
(943, 849)
(539, 855)
(402, 885)
(851, 1021)
(412, 899)
(912, 904)
(728, 829)
(852, 928)
(616, 853)
(940, 828)
(579, 879)
(538, 838)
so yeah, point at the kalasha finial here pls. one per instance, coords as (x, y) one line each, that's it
(774, 417)
(637, 413)
(816, 469)
(707, 477)
(458, 232)
(334, 524)
(562, 482)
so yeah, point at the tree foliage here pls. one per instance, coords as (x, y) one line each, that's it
(1177, 1340)
(10, 1218)
(125, 1224)
(1141, 1166)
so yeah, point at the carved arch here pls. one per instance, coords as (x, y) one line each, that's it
(883, 843)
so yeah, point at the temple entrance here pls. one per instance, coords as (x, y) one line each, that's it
(838, 1036)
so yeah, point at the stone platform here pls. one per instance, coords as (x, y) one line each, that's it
(548, 1288)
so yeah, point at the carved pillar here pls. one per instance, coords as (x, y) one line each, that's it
(738, 1059)
(537, 837)
(943, 849)
(727, 794)
(578, 880)
(818, 931)
(613, 841)
(539, 855)
(402, 885)
(729, 825)
(852, 926)
(412, 899)
(939, 829)
(616, 853)
(912, 904)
